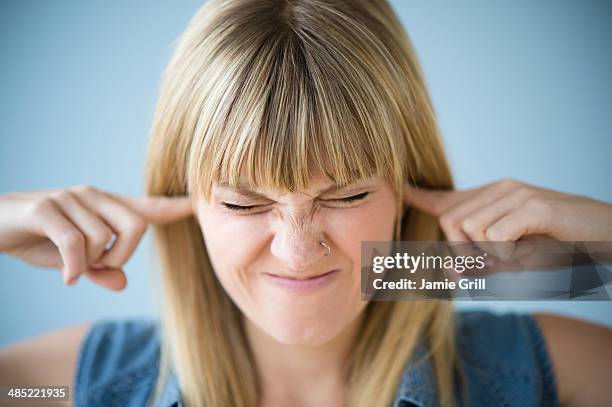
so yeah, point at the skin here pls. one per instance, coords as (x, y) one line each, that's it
(281, 236)
(299, 343)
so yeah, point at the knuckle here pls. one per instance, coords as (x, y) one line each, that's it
(469, 225)
(84, 189)
(136, 225)
(538, 205)
(62, 195)
(41, 206)
(493, 234)
(496, 233)
(101, 237)
(71, 239)
(436, 206)
(509, 183)
(448, 220)
(524, 193)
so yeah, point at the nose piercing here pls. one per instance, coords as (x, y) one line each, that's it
(326, 246)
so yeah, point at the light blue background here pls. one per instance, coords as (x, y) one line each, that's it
(522, 89)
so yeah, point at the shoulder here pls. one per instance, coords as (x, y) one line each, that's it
(504, 359)
(587, 366)
(45, 358)
(117, 362)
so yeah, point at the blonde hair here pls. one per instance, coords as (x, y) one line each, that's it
(268, 88)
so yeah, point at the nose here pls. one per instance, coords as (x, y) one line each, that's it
(297, 243)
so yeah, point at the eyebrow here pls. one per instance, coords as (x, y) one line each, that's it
(246, 191)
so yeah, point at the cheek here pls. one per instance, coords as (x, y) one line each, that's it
(232, 242)
(234, 228)
(372, 221)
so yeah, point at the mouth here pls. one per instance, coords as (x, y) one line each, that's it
(303, 284)
(300, 278)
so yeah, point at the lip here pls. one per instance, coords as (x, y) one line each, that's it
(303, 286)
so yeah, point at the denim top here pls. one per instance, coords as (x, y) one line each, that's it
(503, 356)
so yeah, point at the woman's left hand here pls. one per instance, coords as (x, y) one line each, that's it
(508, 210)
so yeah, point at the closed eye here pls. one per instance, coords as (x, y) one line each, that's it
(239, 207)
(352, 198)
(247, 208)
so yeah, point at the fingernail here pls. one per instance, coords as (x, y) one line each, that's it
(73, 280)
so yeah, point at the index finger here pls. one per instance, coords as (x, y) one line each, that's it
(433, 202)
(159, 209)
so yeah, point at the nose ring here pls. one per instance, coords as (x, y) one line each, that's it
(328, 248)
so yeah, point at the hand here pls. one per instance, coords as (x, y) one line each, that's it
(510, 210)
(70, 229)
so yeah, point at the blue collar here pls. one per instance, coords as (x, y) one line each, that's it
(417, 386)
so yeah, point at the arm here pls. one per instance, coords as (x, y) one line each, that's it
(49, 359)
(581, 354)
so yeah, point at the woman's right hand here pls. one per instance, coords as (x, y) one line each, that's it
(69, 229)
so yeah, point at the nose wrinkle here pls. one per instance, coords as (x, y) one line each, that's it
(301, 231)
(300, 238)
(297, 222)
(301, 235)
(301, 220)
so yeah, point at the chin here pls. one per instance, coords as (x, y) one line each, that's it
(299, 328)
(299, 334)
(311, 320)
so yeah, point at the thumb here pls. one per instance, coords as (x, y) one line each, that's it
(160, 209)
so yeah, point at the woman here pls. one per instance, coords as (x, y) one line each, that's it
(285, 134)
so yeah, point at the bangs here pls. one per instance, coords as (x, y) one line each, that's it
(286, 105)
